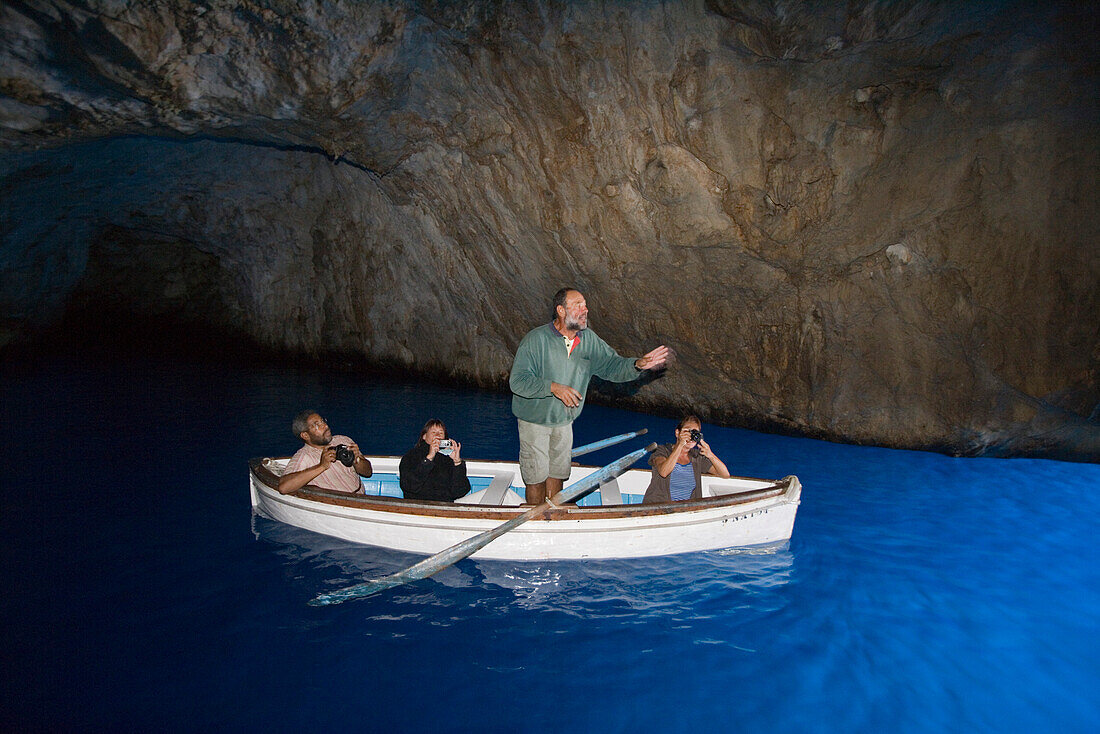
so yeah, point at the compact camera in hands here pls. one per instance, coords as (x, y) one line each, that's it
(345, 455)
(445, 446)
(696, 435)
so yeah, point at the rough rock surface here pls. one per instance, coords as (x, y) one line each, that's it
(866, 221)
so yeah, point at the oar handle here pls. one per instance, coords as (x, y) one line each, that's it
(593, 480)
(597, 445)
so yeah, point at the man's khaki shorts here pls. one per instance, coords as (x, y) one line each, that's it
(544, 451)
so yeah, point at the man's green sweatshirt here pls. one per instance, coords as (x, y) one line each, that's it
(542, 358)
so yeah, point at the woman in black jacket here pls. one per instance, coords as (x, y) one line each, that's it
(431, 471)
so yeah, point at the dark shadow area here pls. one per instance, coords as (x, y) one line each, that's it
(105, 334)
(97, 332)
(93, 331)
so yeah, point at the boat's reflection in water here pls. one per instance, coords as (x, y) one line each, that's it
(650, 586)
(615, 587)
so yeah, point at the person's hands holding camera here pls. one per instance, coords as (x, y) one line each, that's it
(682, 438)
(451, 445)
(328, 455)
(704, 449)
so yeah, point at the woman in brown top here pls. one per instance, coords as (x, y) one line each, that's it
(678, 467)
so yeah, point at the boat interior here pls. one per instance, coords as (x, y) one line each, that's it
(498, 484)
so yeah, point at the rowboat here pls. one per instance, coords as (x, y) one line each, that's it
(611, 522)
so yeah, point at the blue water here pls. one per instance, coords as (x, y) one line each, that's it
(919, 593)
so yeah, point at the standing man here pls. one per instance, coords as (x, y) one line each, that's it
(550, 376)
(316, 464)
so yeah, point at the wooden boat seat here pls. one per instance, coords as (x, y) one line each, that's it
(610, 493)
(497, 490)
(497, 494)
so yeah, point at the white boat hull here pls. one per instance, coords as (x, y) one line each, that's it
(742, 512)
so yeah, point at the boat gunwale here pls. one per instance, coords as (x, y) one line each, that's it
(439, 509)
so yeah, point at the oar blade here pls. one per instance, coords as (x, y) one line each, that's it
(358, 591)
(427, 567)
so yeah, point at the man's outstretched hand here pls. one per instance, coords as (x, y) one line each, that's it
(654, 360)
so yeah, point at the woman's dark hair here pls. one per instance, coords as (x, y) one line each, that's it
(686, 418)
(431, 424)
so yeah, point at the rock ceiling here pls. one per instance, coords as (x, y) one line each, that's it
(870, 222)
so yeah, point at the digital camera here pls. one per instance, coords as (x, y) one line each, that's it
(696, 435)
(445, 446)
(345, 455)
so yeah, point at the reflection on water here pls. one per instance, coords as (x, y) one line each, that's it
(643, 587)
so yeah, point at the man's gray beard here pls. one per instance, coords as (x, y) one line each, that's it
(574, 326)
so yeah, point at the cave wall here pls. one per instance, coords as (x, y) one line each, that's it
(872, 222)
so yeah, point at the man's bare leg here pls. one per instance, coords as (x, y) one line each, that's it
(536, 493)
(553, 486)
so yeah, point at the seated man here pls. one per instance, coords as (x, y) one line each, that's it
(430, 471)
(315, 463)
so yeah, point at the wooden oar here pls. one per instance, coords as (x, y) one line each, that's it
(597, 445)
(458, 551)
